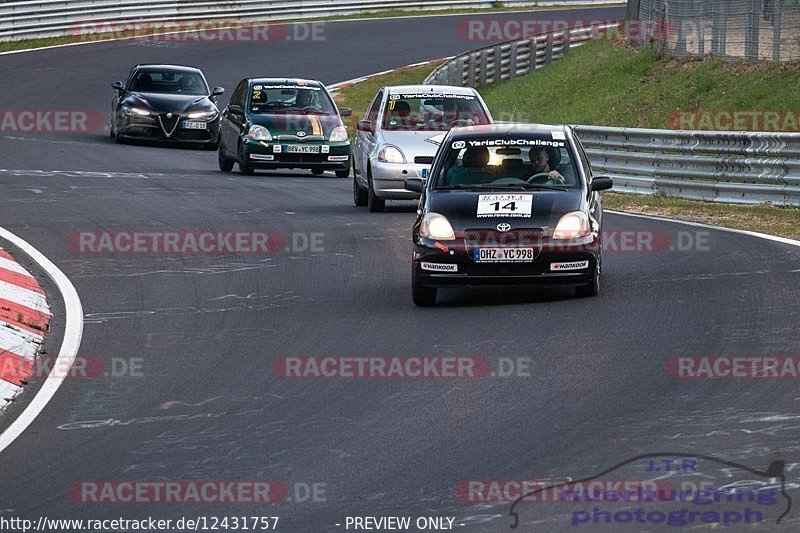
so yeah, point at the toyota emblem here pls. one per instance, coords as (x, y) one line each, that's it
(169, 115)
(503, 227)
(301, 134)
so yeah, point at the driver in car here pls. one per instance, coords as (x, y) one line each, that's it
(305, 99)
(540, 161)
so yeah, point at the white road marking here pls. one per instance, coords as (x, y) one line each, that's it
(73, 331)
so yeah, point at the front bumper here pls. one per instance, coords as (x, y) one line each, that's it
(150, 129)
(451, 264)
(388, 178)
(263, 154)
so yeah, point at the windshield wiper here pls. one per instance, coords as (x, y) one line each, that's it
(543, 187)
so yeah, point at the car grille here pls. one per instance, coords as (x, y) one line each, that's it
(524, 237)
(168, 125)
(423, 159)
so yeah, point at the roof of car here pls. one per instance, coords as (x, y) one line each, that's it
(499, 129)
(286, 81)
(179, 68)
(430, 89)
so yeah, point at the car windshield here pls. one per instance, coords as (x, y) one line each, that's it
(529, 162)
(432, 111)
(290, 99)
(169, 81)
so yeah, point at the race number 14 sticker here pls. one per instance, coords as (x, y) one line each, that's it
(505, 205)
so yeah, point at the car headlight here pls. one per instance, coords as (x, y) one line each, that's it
(142, 112)
(436, 226)
(391, 154)
(572, 226)
(204, 115)
(339, 134)
(259, 133)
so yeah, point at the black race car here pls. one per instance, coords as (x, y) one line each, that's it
(508, 204)
(273, 123)
(165, 103)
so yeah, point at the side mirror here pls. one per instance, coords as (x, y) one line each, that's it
(414, 184)
(118, 85)
(602, 183)
(364, 125)
(216, 91)
(235, 109)
(345, 112)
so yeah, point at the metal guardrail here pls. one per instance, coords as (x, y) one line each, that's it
(735, 167)
(54, 18)
(505, 61)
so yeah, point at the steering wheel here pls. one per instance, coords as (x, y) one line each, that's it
(541, 177)
(458, 123)
(309, 108)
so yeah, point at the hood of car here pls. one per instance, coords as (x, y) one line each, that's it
(461, 208)
(300, 126)
(414, 143)
(160, 103)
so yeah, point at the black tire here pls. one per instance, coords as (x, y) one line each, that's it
(359, 193)
(225, 164)
(590, 289)
(111, 132)
(374, 204)
(244, 168)
(317, 171)
(343, 173)
(421, 295)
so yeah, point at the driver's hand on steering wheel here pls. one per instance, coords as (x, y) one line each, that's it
(556, 177)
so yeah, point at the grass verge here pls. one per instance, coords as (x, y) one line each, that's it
(764, 218)
(605, 82)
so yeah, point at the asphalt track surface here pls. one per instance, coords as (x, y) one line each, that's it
(208, 327)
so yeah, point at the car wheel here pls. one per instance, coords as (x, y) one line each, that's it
(225, 164)
(592, 288)
(359, 193)
(111, 132)
(119, 138)
(422, 296)
(374, 204)
(317, 171)
(342, 173)
(244, 167)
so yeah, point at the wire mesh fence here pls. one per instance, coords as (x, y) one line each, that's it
(746, 29)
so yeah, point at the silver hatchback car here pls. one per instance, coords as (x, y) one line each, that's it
(400, 133)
